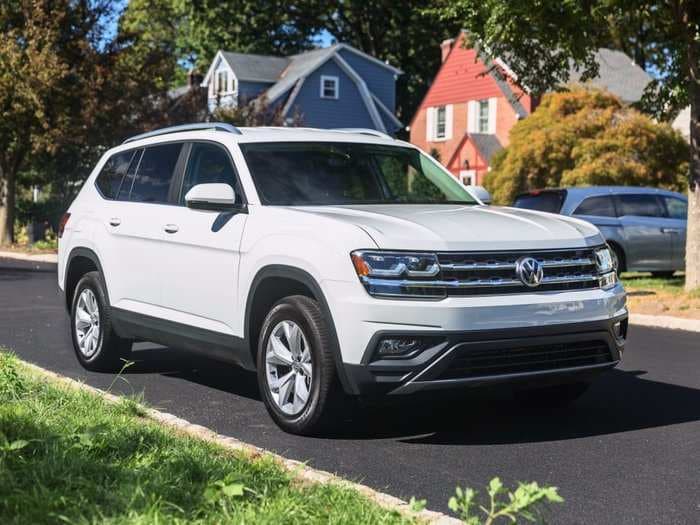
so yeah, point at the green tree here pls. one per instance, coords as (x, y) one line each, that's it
(38, 84)
(587, 137)
(543, 38)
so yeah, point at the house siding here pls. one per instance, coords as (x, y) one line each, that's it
(250, 90)
(379, 80)
(348, 110)
(463, 78)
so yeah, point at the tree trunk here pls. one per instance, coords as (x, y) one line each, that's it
(7, 206)
(692, 247)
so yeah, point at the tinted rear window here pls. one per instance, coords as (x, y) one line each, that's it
(155, 173)
(549, 201)
(603, 206)
(640, 206)
(110, 178)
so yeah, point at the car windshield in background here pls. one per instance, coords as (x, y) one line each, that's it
(549, 201)
(333, 173)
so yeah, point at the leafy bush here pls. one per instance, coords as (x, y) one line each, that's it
(524, 502)
(587, 137)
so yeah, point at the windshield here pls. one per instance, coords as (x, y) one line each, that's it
(550, 201)
(334, 173)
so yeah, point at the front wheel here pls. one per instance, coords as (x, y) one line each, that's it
(296, 371)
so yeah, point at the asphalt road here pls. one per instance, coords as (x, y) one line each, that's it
(626, 452)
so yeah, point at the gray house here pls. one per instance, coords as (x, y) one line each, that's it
(334, 87)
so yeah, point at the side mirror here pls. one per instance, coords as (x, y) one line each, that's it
(480, 193)
(214, 197)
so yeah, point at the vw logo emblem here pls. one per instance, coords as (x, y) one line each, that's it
(529, 271)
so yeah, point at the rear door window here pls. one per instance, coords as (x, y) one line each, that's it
(110, 178)
(155, 174)
(640, 205)
(676, 208)
(602, 206)
(549, 201)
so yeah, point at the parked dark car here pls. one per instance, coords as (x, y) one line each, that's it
(646, 227)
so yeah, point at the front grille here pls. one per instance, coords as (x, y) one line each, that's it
(469, 362)
(494, 272)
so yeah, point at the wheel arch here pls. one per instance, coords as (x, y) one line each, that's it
(81, 261)
(270, 284)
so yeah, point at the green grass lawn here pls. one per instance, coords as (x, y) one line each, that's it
(640, 280)
(68, 456)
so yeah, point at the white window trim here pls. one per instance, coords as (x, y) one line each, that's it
(467, 177)
(336, 83)
(473, 116)
(432, 123)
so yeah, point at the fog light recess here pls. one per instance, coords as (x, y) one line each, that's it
(404, 347)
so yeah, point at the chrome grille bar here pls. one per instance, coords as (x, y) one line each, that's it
(479, 283)
(547, 263)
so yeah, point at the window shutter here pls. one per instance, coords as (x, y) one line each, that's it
(472, 116)
(448, 121)
(429, 124)
(493, 102)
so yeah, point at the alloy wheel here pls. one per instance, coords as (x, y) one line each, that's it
(288, 367)
(87, 323)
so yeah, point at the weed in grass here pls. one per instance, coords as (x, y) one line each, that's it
(525, 503)
(12, 385)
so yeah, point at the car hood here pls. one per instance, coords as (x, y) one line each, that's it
(462, 227)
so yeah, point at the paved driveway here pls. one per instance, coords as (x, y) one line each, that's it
(627, 452)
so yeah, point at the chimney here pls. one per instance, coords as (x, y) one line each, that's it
(194, 79)
(446, 47)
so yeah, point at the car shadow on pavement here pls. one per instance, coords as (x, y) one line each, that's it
(619, 401)
(153, 359)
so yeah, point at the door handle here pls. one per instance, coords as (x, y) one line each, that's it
(115, 221)
(171, 228)
(670, 230)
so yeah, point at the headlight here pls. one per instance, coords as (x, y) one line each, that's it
(604, 260)
(605, 263)
(398, 274)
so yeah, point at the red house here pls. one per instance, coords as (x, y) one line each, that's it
(469, 110)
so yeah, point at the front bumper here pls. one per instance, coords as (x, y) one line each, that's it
(556, 353)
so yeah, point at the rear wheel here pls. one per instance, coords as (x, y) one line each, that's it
(96, 345)
(296, 371)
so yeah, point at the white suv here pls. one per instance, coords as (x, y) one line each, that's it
(333, 262)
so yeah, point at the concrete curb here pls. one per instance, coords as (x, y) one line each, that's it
(31, 257)
(300, 471)
(665, 321)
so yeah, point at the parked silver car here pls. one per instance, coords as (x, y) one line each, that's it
(646, 227)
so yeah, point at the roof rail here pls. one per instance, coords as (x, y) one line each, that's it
(216, 126)
(365, 131)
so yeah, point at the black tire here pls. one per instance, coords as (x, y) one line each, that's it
(556, 396)
(110, 351)
(324, 394)
(665, 274)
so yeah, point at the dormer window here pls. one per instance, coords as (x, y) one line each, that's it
(329, 87)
